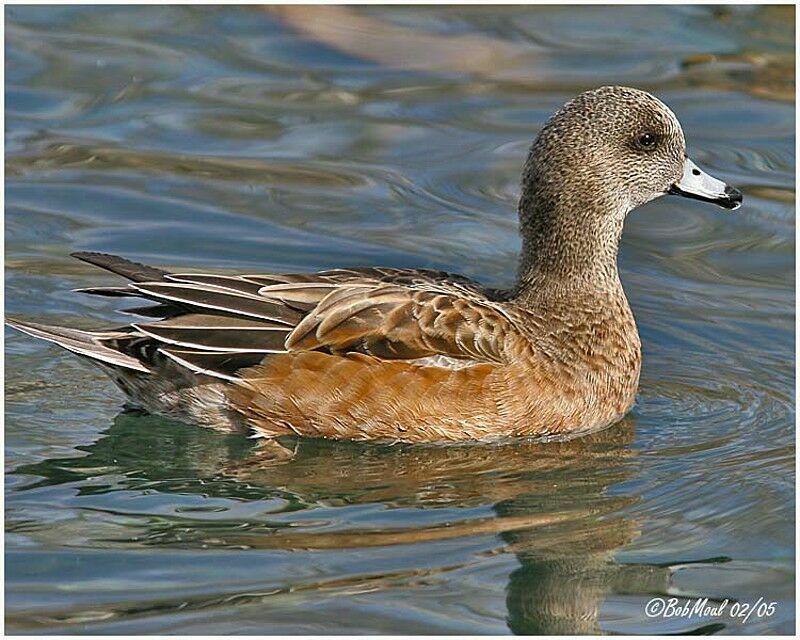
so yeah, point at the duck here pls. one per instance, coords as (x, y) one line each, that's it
(420, 355)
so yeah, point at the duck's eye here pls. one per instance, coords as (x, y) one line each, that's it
(647, 141)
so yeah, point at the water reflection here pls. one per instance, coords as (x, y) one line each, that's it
(552, 505)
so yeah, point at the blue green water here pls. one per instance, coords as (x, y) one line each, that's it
(255, 140)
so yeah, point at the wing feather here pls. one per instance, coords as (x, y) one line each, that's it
(234, 283)
(217, 324)
(211, 297)
(218, 364)
(219, 333)
(392, 321)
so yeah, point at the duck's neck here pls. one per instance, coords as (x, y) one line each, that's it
(570, 241)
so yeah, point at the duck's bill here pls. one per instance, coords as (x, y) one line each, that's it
(697, 184)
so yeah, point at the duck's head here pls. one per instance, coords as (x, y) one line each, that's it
(602, 154)
(626, 145)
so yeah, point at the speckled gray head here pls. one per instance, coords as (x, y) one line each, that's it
(626, 147)
(602, 154)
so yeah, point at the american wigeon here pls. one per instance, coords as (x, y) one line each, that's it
(421, 355)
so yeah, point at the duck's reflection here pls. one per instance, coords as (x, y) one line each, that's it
(549, 503)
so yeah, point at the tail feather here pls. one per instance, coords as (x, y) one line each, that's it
(112, 292)
(84, 343)
(122, 267)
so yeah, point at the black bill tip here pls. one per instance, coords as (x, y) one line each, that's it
(732, 199)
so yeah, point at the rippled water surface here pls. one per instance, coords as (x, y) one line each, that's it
(295, 139)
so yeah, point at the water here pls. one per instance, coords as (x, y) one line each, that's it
(246, 140)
